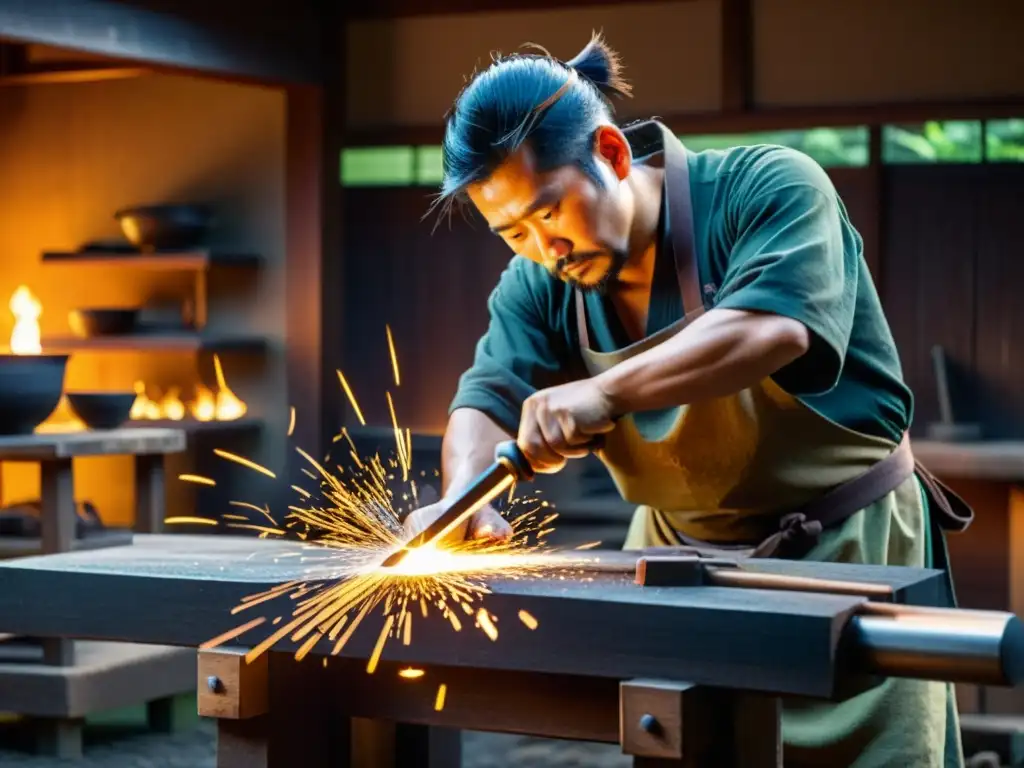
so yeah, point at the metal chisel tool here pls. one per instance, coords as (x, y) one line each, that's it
(510, 466)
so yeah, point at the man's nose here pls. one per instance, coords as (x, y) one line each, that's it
(553, 248)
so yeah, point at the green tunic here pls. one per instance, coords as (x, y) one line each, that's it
(771, 235)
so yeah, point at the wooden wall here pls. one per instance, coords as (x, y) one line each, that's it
(952, 276)
(72, 154)
(406, 71)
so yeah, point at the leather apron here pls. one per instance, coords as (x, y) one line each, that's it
(759, 473)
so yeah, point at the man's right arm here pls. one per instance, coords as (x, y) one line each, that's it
(468, 448)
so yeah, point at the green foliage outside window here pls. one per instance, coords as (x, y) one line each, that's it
(952, 141)
(1004, 141)
(830, 147)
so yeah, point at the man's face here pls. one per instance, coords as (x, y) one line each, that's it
(563, 220)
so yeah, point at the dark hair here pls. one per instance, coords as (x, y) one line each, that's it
(530, 97)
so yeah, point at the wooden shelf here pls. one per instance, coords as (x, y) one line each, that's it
(191, 426)
(166, 342)
(105, 676)
(19, 546)
(165, 261)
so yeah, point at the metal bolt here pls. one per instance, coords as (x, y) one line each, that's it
(649, 723)
(213, 683)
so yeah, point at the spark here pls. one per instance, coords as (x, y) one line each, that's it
(184, 519)
(243, 461)
(199, 479)
(442, 689)
(291, 421)
(484, 620)
(394, 357)
(410, 673)
(527, 618)
(351, 398)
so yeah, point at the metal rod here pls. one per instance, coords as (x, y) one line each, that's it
(736, 577)
(949, 644)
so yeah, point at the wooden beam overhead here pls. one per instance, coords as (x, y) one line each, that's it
(790, 118)
(737, 56)
(247, 42)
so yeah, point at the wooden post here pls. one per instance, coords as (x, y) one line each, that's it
(666, 723)
(272, 713)
(150, 496)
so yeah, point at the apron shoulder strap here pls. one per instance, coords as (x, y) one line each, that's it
(680, 222)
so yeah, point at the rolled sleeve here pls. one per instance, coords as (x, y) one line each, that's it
(794, 256)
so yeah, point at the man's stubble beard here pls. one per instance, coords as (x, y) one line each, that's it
(608, 280)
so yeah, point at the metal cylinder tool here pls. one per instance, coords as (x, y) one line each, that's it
(510, 466)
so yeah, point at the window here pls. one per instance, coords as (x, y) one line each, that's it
(952, 141)
(1004, 140)
(830, 147)
(429, 169)
(377, 166)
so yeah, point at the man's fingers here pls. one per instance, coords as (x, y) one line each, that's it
(532, 442)
(488, 524)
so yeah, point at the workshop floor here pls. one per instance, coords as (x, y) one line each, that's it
(120, 740)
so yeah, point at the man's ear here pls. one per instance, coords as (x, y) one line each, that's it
(610, 144)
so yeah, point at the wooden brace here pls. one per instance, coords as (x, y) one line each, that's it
(230, 688)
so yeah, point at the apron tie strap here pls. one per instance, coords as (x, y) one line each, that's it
(797, 534)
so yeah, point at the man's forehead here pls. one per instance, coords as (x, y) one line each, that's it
(516, 176)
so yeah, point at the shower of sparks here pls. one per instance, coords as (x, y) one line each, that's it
(349, 522)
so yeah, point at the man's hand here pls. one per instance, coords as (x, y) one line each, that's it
(562, 422)
(487, 523)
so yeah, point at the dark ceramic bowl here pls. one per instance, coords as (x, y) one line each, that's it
(102, 410)
(89, 323)
(165, 227)
(30, 389)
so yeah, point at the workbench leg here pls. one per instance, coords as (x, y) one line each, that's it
(669, 724)
(57, 523)
(150, 494)
(299, 727)
(59, 738)
(379, 743)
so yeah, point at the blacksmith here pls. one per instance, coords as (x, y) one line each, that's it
(711, 318)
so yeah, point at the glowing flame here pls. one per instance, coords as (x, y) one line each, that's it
(223, 405)
(25, 338)
(229, 407)
(204, 407)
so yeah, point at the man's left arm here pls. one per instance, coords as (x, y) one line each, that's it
(785, 310)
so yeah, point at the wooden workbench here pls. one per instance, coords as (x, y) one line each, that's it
(605, 653)
(65, 679)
